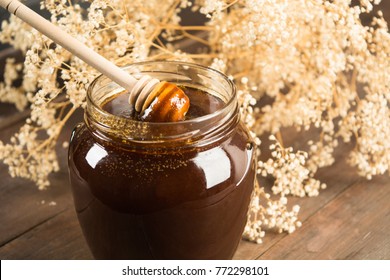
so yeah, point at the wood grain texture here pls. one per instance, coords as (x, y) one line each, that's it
(354, 225)
(57, 238)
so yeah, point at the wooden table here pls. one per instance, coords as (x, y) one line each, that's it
(348, 220)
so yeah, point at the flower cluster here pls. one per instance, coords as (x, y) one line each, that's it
(307, 65)
(271, 215)
(289, 171)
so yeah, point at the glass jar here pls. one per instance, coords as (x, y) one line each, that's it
(179, 190)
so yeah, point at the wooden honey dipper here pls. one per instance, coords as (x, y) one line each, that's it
(154, 100)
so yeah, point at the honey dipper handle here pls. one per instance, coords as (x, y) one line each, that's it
(74, 46)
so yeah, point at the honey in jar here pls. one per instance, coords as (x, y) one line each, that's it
(169, 190)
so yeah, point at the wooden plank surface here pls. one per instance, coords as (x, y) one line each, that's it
(59, 237)
(348, 220)
(354, 225)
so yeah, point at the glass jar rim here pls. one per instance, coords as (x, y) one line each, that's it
(194, 125)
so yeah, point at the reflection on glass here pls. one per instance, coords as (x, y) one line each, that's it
(95, 154)
(214, 173)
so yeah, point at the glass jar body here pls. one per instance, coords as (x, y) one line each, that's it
(162, 199)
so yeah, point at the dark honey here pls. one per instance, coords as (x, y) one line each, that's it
(182, 201)
(201, 104)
